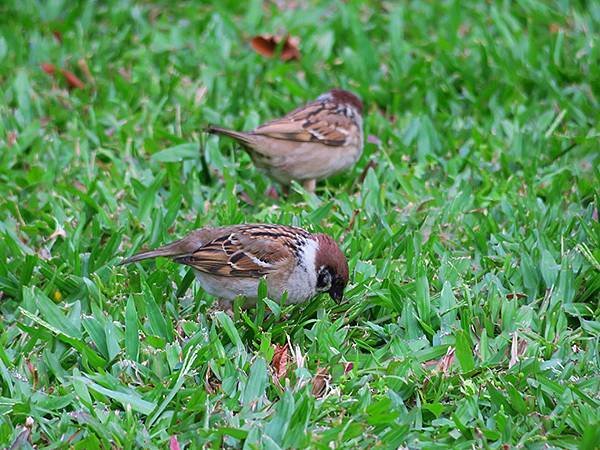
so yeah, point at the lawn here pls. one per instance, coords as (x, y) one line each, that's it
(472, 317)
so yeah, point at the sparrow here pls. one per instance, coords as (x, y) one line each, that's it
(312, 142)
(230, 261)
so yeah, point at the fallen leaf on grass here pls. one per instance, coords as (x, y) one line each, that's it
(348, 367)
(515, 295)
(48, 68)
(320, 382)
(57, 35)
(72, 79)
(446, 362)
(443, 364)
(83, 66)
(33, 371)
(211, 382)
(267, 44)
(280, 361)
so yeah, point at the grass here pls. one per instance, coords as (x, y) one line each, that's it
(472, 317)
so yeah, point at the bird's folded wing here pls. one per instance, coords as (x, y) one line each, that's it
(237, 255)
(313, 123)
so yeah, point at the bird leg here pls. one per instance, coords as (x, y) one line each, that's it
(221, 305)
(309, 185)
(226, 306)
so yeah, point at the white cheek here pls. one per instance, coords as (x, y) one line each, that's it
(301, 285)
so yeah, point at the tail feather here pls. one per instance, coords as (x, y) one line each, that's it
(170, 250)
(181, 247)
(244, 138)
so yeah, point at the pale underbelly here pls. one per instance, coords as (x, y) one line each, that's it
(297, 288)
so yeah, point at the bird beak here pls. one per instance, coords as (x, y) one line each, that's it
(337, 293)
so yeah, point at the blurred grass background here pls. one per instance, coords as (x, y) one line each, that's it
(470, 223)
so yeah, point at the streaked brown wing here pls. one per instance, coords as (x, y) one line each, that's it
(237, 255)
(315, 122)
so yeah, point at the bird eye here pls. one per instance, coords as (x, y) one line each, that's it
(324, 279)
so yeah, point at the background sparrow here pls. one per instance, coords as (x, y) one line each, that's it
(310, 143)
(230, 261)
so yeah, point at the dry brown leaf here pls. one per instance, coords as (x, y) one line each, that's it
(515, 295)
(267, 44)
(445, 363)
(33, 371)
(521, 347)
(211, 383)
(83, 66)
(49, 68)
(320, 382)
(348, 367)
(72, 79)
(58, 36)
(280, 361)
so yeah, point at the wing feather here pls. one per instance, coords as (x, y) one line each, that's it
(316, 122)
(238, 255)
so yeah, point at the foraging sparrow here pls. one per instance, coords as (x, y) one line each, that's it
(230, 261)
(310, 143)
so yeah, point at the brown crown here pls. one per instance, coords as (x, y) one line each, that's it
(329, 254)
(342, 96)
